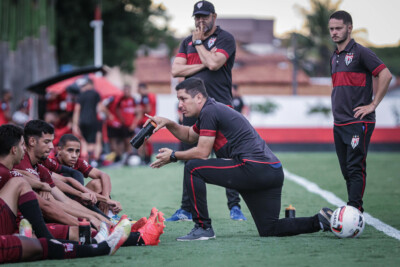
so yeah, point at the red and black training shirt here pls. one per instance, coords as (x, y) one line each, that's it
(352, 71)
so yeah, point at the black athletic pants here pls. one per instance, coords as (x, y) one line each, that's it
(231, 194)
(351, 142)
(259, 184)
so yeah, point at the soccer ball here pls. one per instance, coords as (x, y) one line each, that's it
(347, 221)
(134, 160)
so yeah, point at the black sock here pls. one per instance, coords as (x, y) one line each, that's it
(63, 249)
(92, 250)
(134, 240)
(29, 207)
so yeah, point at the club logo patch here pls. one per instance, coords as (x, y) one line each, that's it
(348, 58)
(211, 41)
(200, 4)
(354, 141)
(68, 247)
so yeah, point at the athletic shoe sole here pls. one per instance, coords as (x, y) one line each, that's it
(197, 239)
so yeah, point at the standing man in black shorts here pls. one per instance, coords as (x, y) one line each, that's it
(209, 53)
(244, 162)
(85, 122)
(352, 68)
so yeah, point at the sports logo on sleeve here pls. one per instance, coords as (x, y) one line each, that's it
(15, 174)
(354, 141)
(211, 41)
(348, 58)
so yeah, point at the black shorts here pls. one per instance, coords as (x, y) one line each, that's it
(89, 131)
(114, 132)
(128, 133)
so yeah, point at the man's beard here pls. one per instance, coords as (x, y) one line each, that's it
(43, 158)
(342, 40)
(207, 26)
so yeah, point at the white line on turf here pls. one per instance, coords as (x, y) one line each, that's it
(334, 200)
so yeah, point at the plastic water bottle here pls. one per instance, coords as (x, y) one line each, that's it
(84, 232)
(143, 135)
(290, 212)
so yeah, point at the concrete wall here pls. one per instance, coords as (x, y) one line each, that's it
(292, 111)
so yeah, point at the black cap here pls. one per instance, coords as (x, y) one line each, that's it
(203, 8)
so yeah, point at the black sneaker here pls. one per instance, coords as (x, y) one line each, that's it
(324, 217)
(198, 233)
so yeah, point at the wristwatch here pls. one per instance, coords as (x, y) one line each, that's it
(172, 158)
(197, 42)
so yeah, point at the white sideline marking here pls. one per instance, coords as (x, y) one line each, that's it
(334, 200)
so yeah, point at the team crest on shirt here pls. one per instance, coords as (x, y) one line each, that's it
(211, 41)
(348, 58)
(32, 171)
(354, 141)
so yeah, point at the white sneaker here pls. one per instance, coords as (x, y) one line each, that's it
(119, 236)
(102, 234)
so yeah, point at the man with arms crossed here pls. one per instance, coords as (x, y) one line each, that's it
(209, 53)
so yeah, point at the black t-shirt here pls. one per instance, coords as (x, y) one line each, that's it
(234, 136)
(218, 83)
(88, 101)
(352, 71)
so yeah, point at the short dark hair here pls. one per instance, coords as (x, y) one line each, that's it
(68, 138)
(342, 15)
(193, 86)
(10, 135)
(37, 128)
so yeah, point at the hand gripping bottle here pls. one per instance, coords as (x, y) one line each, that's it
(143, 135)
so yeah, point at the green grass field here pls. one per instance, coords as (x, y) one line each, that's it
(237, 243)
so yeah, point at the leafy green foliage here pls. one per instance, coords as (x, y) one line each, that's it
(268, 107)
(320, 109)
(127, 26)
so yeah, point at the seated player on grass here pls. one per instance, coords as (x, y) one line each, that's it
(144, 231)
(18, 194)
(17, 248)
(38, 137)
(12, 151)
(11, 145)
(68, 152)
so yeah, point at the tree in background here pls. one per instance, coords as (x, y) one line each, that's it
(27, 52)
(313, 44)
(128, 25)
(391, 57)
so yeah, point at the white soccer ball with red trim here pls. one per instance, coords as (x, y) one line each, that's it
(347, 221)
